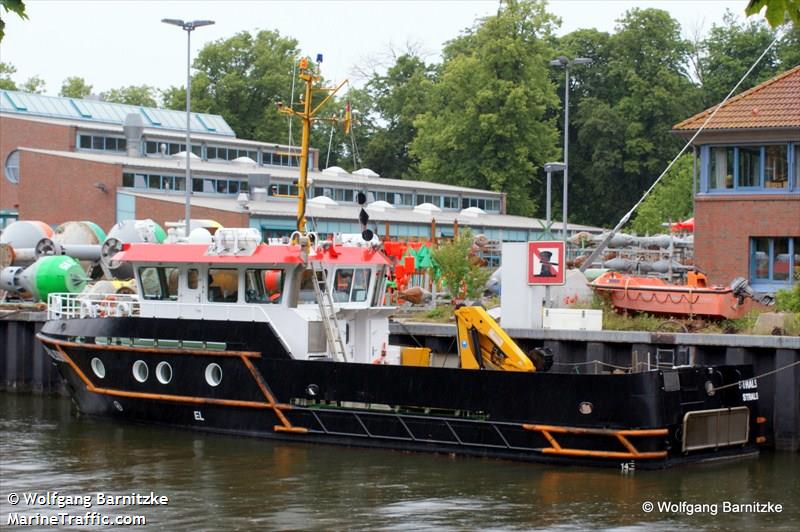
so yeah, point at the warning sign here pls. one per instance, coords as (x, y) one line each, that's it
(546, 262)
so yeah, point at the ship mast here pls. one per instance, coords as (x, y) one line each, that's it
(307, 116)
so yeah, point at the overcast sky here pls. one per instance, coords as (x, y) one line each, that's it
(117, 43)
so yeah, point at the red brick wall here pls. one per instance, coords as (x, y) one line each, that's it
(57, 189)
(167, 211)
(724, 225)
(16, 133)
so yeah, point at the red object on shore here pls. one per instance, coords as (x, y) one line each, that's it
(656, 296)
(686, 225)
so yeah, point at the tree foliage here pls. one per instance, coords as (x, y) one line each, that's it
(11, 6)
(75, 87)
(777, 11)
(626, 103)
(671, 200)
(242, 78)
(398, 97)
(728, 52)
(143, 95)
(33, 84)
(487, 124)
(462, 276)
(6, 71)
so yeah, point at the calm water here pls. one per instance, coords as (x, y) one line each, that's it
(226, 483)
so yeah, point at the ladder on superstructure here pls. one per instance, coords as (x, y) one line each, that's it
(327, 312)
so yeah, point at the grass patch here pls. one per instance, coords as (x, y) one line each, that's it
(439, 314)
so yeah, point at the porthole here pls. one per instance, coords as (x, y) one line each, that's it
(164, 372)
(140, 371)
(12, 167)
(99, 368)
(213, 374)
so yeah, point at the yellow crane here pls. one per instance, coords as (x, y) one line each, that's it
(483, 344)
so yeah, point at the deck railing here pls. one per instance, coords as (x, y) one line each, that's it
(71, 306)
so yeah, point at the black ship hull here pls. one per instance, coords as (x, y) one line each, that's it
(655, 419)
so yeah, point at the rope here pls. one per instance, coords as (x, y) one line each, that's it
(787, 366)
(600, 247)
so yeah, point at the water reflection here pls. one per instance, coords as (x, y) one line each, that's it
(219, 482)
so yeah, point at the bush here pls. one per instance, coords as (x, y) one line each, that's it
(789, 300)
(464, 278)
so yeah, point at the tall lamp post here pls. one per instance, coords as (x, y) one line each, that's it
(550, 168)
(188, 27)
(564, 61)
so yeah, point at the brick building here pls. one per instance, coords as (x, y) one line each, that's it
(747, 199)
(71, 159)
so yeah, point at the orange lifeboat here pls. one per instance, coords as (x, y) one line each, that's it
(656, 296)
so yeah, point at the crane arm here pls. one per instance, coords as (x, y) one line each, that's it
(483, 344)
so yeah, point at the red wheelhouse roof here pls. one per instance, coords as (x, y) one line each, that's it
(264, 254)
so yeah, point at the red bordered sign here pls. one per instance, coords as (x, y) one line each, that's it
(546, 262)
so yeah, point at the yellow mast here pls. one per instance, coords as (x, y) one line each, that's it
(307, 115)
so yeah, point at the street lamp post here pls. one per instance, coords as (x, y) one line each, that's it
(189, 27)
(564, 61)
(550, 168)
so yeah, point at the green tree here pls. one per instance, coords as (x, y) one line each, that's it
(777, 12)
(626, 104)
(242, 78)
(398, 98)
(671, 200)
(173, 98)
(34, 84)
(462, 276)
(143, 95)
(729, 51)
(789, 48)
(6, 71)
(11, 6)
(487, 124)
(75, 87)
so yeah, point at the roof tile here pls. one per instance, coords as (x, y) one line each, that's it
(772, 104)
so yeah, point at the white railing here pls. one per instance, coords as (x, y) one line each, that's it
(70, 306)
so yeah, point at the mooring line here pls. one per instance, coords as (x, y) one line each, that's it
(787, 366)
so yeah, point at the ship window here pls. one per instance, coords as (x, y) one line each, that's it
(263, 286)
(213, 374)
(164, 372)
(140, 371)
(307, 294)
(351, 285)
(192, 276)
(98, 367)
(151, 284)
(172, 275)
(223, 285)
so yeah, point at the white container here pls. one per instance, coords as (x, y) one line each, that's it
(574, 319)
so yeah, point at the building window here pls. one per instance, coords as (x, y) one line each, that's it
(721, 175)
(774, 259)
(776, 167)
(768, 168)
(98, 142)
(429, 198)
(12, 167)
(450, 202)
(749, 167)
